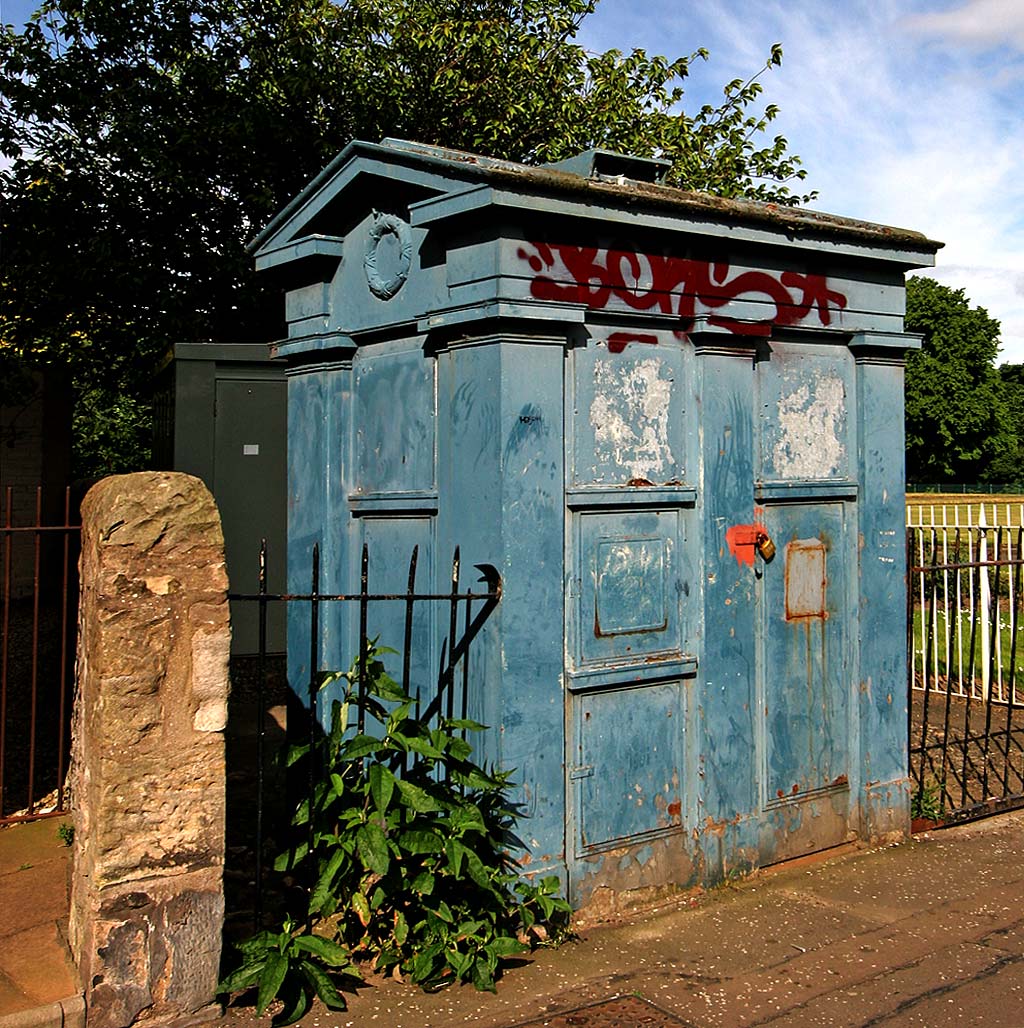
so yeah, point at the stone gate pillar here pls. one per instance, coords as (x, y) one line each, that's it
(148, 773)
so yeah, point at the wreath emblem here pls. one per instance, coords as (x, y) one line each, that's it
(383, 225)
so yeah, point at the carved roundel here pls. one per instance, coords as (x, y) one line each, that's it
(387, 266)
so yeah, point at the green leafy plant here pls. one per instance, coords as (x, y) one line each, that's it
(66, 833)
(289, 965)
(405, 847)
(927, 802)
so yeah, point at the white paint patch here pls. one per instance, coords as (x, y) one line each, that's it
(811, 426)
(629, 415)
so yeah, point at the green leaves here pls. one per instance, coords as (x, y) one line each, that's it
(275, 967)
(408, 864)
(325, 949)
(960, 424)
(373, 848)
(418, 799)
(382, 786)
(418, 841)
(145, 143)
(280, 965)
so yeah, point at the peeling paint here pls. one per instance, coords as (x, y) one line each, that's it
(632, 877)
(629, 415)
(811, 425)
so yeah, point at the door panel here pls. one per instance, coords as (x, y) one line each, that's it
(628, 624)
(628, 586)
(631, 756)
(804, 674)
(250, 439)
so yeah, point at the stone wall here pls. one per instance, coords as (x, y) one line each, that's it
(148, 751)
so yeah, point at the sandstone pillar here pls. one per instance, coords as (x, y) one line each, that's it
(148, 751)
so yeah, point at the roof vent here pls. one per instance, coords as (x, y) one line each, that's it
(614, 167)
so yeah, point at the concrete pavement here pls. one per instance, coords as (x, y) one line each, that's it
(38, 987)
(930, 932)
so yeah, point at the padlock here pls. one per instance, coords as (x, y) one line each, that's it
(764, 546)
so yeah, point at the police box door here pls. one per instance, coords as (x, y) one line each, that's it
(629, 616)
(804, 595)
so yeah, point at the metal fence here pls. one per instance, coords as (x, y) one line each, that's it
(977, 488)
(460, 614)
(966, 655)
(966, 640)
(38, 609)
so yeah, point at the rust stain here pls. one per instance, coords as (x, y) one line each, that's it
(713, 827)
(805, 580)
(742, 539)
(638, 482)
(841, 780)
(675, 809)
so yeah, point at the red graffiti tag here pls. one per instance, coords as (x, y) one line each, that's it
(742, 539)
(618, 341)
(673, 286)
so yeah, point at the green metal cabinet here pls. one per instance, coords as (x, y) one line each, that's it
(222, 416)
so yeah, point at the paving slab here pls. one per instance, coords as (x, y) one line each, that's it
(38, 986)
(929, 932)
(995, 1000)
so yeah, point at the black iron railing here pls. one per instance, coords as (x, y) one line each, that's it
(446, 694)
(965, 633)
(38, 609)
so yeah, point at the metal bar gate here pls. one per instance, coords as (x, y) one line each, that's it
(965, 651)
(38, 609)
(446, 695)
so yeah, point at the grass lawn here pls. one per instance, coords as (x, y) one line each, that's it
(1004, 641)
(966, 508)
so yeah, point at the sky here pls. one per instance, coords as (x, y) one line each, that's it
(905, 112)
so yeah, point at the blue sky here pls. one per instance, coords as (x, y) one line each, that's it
(906, 112)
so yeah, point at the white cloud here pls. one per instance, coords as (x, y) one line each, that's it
(977, 22)
(898, 121)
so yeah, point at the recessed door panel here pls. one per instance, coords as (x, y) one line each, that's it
(804, 674)
(628, 422)
(631, 755)
(390, 542)
(805, 394)
(628, 581)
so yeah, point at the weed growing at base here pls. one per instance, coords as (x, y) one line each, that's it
(407, 855)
